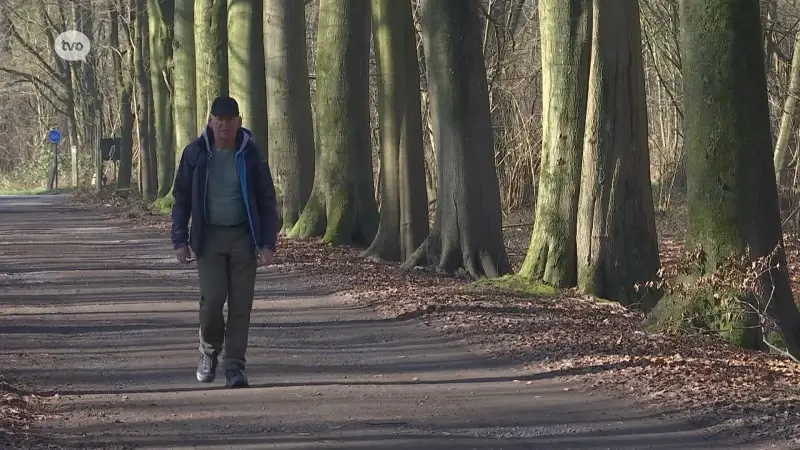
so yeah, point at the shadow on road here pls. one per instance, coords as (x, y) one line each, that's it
(99, 313)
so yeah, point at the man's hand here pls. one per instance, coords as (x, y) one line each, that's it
(183, 254)
(265, 257)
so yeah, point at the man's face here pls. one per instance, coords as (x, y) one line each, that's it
(225, 127)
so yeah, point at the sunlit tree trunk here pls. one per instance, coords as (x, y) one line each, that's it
(291, 128)
(565, 43)
(342, 203)
(211, 55)
(160, 20)
(246, 71)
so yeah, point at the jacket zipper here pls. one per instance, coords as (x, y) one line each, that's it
(205, 190)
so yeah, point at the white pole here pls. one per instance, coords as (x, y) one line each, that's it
(74, 151)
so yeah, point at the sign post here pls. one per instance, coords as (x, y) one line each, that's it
(54, 136)
(74, 151)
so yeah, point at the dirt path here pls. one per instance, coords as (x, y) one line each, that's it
(99, 312)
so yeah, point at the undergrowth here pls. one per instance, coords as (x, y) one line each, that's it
(729, 300)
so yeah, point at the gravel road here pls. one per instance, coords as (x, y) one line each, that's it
(101, 314)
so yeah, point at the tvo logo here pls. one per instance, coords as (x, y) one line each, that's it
(72, 45)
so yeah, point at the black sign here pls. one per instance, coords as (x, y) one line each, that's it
(110, 149)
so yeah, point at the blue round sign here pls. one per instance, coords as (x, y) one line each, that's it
(54, 136)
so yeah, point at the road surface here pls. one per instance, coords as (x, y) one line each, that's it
(100, 313)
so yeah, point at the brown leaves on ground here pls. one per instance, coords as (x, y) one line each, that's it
(599, 344)
(18, 411)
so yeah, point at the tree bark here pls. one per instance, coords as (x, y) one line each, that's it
(617, 246)
(291, 128)
(211, 55)
(185, 88)
(565, 39)
(342, 201)
(246, 71)
(147, 164)
(732, 192)
(467, 230)
(160, 20)
(152, 140)
(84, 81)
(403, 222)
(125, 93)
(789, 112)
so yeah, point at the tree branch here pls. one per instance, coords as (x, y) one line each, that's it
(39, 84)
(45, 65)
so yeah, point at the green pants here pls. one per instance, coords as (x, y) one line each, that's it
(227, 270)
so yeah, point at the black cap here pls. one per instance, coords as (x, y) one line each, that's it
(224, 106)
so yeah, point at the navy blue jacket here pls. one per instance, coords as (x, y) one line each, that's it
(191, 181)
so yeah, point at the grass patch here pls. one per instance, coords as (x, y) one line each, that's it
(33, 191)
(517, 285)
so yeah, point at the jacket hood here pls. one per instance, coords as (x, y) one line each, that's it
(243, 136)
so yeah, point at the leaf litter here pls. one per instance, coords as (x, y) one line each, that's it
(19, 411)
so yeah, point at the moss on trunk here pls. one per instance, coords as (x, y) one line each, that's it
(565, 39)
(732, 193)
(343, 173)
(160, 20)
(725, 313)
(312, 221)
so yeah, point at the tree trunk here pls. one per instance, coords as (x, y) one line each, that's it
(247, 82)
(124, 92)
(789, 111)
(565, 39)
(467, 231)
(344, 202)
(732, 193)
(403, 222)
(185, 89)
(97, 129)
(126, 135)
(160, 20)
(151, 139)
(211, 55)
(91, 100)
(291, 127)
(69, 94)
(617, 246)
(147, 165)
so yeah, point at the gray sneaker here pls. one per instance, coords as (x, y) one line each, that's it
(206, 369)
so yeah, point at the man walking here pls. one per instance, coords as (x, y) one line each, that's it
(225, 186)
